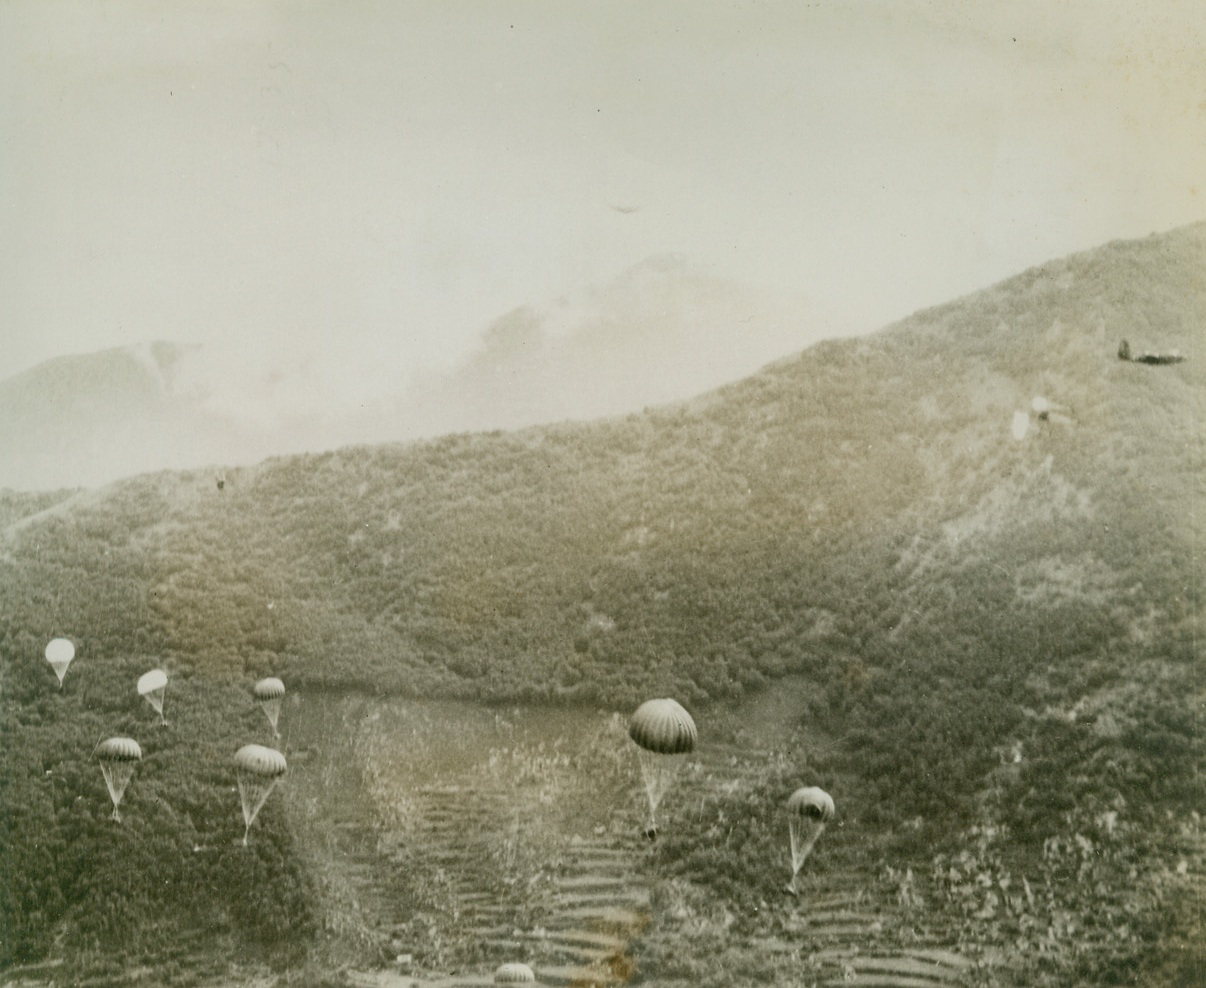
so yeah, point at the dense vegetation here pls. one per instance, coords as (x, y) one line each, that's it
(75, 879)
(1001, 633)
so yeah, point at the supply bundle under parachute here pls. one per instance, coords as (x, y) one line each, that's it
(59, 653)
(270, 692)
(664, 734)
(258, 770)
(808, 810)
(151, 687)
(118, 758)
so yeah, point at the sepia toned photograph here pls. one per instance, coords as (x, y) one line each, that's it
(684, 494)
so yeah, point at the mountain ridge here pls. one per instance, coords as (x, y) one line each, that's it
(996, 630)
(657, 331)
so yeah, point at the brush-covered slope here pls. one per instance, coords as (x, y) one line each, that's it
(994, 598)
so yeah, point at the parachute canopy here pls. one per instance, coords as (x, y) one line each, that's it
(269, 689)
(119, 750)
(663, 733)
(514, 974)
(812, 803)
(118, 757)
(59, 653)
(808, 811)
(258, 770)
(270, 692)
(151, 687)
(60, 650)
(151, 681)
(663, 727)
(255, 759)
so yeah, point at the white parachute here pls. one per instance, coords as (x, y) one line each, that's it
(808, 811)
(258, 770)
(270, 692)
(59, 653)
(664, 734)
(151, 687)
(118, 758)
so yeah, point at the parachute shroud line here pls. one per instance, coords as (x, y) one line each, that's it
(658, 773)
(803, 836)
(117, 777)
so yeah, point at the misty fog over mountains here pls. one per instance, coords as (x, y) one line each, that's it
(661, 331)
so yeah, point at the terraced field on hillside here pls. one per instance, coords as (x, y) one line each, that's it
(450, 839)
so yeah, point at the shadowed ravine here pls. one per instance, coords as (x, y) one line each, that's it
(448, 839)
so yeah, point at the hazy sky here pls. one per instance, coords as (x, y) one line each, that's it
(374, 182)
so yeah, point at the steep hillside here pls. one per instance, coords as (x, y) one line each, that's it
(972, 538)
